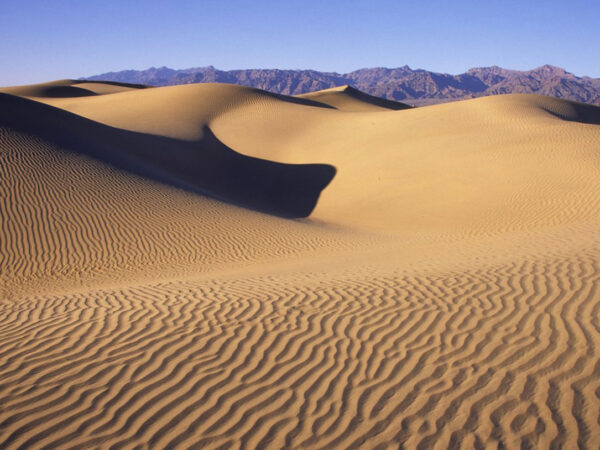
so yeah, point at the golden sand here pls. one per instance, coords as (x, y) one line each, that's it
(443, 292)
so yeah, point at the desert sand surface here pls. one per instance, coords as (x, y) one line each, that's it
(215, 266)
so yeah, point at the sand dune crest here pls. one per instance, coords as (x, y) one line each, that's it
(206, 166)
(70, 88)
(347, 98)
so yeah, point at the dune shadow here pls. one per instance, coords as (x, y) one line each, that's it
(579, 112)
(377, 101)
(66, 91)
(112, 83)
(206, 166)
(297, 100)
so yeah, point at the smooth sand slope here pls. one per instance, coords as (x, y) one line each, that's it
(443, 292)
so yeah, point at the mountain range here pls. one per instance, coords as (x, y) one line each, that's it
(414, 86)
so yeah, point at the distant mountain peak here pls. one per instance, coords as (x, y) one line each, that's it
(550, 67)
(550, 70)
(495, 69)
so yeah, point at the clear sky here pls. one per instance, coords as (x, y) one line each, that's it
(42, 40)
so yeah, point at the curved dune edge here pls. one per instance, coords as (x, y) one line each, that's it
(136, 314)
(208, 166)
(70, 88)
(347, 98)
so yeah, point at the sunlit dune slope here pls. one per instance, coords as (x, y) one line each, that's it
(443, 293)
(483, 165)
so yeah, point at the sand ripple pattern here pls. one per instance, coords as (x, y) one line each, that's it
(501, 356)
(65, 216)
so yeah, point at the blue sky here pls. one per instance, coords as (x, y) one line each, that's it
(51, 39)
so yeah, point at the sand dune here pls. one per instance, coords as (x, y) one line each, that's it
(442, 293)
(347, 98)
(206, 165)
(70, 88)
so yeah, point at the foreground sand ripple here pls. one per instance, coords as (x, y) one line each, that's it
(505, 355)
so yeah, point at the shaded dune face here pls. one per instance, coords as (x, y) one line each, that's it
(206, 166)
(65, 91)
(575, 112)
(346, 98)
(69, 88)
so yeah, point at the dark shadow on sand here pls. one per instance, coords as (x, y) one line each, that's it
(206, 166)
(373, 100)
(580, 112)
(66, 91)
